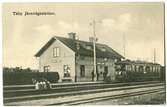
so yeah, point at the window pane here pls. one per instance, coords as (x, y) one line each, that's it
(66, 71)
(56, 52)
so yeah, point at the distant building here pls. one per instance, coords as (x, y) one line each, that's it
(73, 59)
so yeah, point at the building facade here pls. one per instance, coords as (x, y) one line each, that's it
(73, 59)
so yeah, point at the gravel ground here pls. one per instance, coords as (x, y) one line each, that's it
(148, 99)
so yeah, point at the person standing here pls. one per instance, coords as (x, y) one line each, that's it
(37, 85)
(92, 75)
(104, 75)
(97, 76)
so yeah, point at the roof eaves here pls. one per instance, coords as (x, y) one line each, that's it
(116, 53)
(48, 44)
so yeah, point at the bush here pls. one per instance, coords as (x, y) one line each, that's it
(23, 78)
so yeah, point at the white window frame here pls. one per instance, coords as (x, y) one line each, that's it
(67, 71)
(56, 52)
(88, 47)
(46, 68)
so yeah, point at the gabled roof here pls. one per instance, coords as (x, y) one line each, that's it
(80, 48)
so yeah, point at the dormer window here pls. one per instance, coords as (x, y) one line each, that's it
(115, 60)
(77, 45)
(56, 52)
(105, 59)
(88, 47)
(103, 49)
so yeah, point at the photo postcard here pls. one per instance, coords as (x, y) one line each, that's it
(81, 53)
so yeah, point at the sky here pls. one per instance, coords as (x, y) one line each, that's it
(141, 24)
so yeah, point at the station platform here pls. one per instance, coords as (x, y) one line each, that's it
(55, 84)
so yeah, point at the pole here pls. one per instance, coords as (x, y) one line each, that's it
(124, 44)
(154, 55)
(94, 49)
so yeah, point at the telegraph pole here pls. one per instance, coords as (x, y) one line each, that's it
(124, 43)
(154, 55)
(94, 49)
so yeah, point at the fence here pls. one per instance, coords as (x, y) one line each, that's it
(23, 78)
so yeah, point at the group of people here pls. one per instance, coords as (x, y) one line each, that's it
(97, 74)
(42, 84)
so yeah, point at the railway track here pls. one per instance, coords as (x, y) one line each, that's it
(104, 98)
(17, 91)
(80, 92)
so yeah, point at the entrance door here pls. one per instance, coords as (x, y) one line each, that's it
(97, 73)
(106, 69)
(82, 69)
(105, 72)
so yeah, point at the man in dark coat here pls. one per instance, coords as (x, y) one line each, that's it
(93, 75)
(105, 74)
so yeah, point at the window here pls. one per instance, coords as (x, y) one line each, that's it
(153, 68)
(147, 69)
(46, 68)
(103, 49)
(158, 69)
(130, 67)
(106, 69)
(66, 71)
(141, 69)
(82, 69)
(135, 68)
(56, 52)
(88, 47)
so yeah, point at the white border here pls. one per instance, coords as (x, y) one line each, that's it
(24, 1)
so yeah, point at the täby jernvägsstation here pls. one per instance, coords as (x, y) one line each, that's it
(73, 59)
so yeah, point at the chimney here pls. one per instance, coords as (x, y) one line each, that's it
(72, 35)
(91, 39)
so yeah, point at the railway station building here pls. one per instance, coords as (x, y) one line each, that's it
(73, 59)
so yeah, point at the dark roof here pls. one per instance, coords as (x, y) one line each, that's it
(80, 47)
(136, 62)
